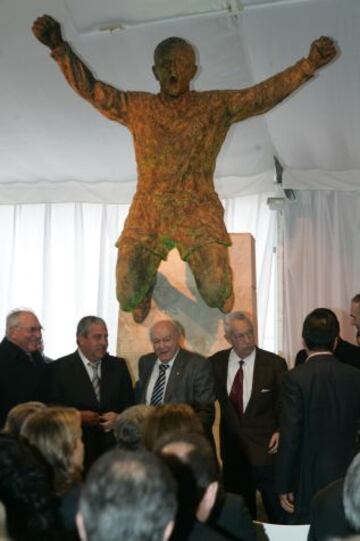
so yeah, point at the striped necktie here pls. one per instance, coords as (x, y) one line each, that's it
(95, 380)
(159, 387)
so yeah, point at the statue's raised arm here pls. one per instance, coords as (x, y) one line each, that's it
(48, 31)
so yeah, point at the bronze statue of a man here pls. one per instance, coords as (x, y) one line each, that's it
(177, 136)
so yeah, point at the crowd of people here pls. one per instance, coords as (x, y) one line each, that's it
(86, 455)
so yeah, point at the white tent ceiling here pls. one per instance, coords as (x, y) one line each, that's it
(55, 147)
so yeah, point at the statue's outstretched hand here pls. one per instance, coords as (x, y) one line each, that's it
(322, 51)
(48, 31)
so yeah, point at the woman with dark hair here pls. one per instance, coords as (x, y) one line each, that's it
(26, 492)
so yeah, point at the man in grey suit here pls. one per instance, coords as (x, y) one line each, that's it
(174, 375)
(247, 381)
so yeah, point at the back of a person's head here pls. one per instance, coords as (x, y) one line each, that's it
(129, 427)
(196, 453)
(18, 415)
(129, 496)
(320, 330)
(351, 494)
(170, 418)
(54, 432)
(26, 492)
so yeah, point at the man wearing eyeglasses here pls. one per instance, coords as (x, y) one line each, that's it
(247, 381)
(22, 368)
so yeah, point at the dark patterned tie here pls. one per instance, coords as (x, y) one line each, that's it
(159, 387)
(236, 393)
(95, 380)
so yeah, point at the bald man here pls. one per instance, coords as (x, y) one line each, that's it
(174, 375)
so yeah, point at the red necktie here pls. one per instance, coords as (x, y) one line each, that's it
(236, 393)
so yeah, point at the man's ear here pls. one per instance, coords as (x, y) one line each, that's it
(155, 73)
(207, 502)
(336, 343)
(80, 526)
(168, 530)
(305, 346)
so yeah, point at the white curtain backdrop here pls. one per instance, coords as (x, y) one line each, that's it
(59, 260)
(321, 259)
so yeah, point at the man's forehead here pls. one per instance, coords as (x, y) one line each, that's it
(163, 329)
(171, 49)
(97, 328)
(28, 317)
(240, 324)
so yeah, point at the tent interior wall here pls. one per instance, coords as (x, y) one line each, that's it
(67, 175)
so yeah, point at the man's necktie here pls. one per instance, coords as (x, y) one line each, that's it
(95, 380)
(159, 387)
(236, 393)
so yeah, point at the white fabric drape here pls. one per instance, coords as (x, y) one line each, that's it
(59, 260)
(321, 259)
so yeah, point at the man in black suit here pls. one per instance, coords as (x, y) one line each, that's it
(355, 316)
(174, 375)
(319, 418)
(249, 414)
(22, 368)
(345, 351)
(95, 383)
(204, 507)
(327, 516)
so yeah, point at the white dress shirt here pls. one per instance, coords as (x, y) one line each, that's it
(248, 371)
(87, 367)
(155, 374)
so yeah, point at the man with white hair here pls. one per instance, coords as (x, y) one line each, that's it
(247, 381)
(22, 368)
(174, 375)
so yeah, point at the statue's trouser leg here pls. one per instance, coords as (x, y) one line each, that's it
(136, 270)
(213, 275)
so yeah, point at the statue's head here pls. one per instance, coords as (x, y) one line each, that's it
(174, 66)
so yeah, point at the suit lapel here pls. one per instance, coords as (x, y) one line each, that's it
(84, 384)
(257, 382)
(147, 370)
(222, 373)
(176, 375)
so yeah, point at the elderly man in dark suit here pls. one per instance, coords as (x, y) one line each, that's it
(174, 375)
(319, 418)
(95, 383)
(22, 368)
(247, 383)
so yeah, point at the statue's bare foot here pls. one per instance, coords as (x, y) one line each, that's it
(228, 304)
(142, 309)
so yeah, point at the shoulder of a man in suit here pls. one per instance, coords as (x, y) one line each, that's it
(190, 355)
(113, 359)
(220, 355)
(9, 350)
(269, 356)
